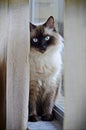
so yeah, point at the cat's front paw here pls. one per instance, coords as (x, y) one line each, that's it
(47, 117)
(33, 118)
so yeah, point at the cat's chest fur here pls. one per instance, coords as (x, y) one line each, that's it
(46, 65)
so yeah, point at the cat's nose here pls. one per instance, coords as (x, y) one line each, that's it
(43, 47)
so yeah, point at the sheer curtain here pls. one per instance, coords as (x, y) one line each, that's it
(14, 59)
(75, 65)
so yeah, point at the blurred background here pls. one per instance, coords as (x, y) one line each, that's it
(40, 10)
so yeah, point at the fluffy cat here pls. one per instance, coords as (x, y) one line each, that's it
(45, 69)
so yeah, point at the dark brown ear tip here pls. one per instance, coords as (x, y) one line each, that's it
(49, 22)
(51, 17)
(32, 26)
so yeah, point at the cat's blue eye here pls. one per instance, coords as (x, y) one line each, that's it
(35, 40)
(47, 38)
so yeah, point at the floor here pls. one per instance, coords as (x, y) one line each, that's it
(44, 125)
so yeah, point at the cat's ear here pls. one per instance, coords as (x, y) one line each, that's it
(32, 26)
(50, 22)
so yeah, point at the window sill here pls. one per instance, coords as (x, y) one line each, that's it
(58, 114)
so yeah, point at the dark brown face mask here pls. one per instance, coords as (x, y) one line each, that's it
(39, 40)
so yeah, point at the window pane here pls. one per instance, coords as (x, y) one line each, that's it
(40, 11)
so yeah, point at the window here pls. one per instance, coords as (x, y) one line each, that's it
(40, 10)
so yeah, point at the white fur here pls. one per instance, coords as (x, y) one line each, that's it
(46, 67)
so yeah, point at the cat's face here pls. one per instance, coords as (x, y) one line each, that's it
(41, 36)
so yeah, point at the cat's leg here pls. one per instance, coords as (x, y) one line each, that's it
(51, 91)
(47, 106)
(32, 102)
(58, 88)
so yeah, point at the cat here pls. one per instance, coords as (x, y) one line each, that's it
(45, 69)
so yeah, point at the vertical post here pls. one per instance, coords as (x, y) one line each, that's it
(3, 43)
(75, 64)
(18, 65)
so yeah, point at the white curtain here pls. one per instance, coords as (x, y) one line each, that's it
(14, 51)
(75, 65)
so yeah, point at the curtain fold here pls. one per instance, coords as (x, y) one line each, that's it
(3, 60)
(75, 65)
(14, 64)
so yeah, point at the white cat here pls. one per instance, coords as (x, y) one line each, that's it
(45, 69)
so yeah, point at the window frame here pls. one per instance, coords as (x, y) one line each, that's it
(58, 111)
